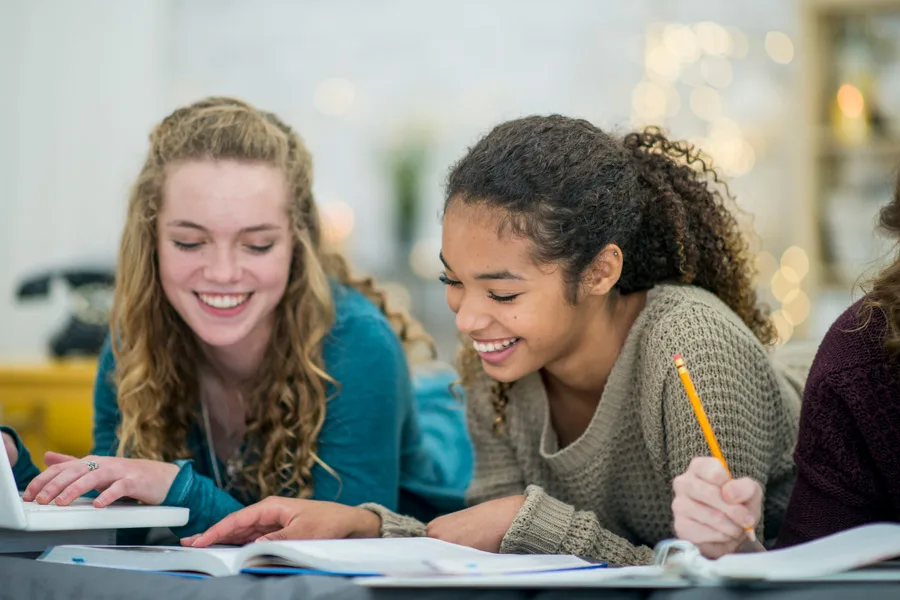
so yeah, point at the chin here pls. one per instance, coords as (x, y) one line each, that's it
(503, 373)
(219, 337)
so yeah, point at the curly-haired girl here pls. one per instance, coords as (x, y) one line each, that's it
(244, 360)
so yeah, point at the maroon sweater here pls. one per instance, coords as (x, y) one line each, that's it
(848, 449)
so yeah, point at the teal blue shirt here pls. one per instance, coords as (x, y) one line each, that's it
(407, 451)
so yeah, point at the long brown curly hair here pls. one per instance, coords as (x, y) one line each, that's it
(156, 351)
(884, 288)
(572, 189)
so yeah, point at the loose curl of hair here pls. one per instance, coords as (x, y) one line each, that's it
(572, 189)
(157, 352)
(884, 292)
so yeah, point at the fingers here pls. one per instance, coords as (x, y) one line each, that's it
(689, 512)
(53, 458)
(743, 491)
(119, 489)
(258, 519)
(45, 487)
(709, 469)
(275, 536)
(189, 541)
(698, 502)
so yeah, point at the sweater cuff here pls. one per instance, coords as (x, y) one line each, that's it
(394, 525)
(181, 486)
(541, 525)
(24, 470)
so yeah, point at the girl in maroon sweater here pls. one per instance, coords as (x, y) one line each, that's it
(848, 450)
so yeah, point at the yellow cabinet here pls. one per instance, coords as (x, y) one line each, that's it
(49, 405)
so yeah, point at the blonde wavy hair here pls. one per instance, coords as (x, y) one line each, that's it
(156, 352)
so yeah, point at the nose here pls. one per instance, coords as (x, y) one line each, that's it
(471, 317)
(223, 266)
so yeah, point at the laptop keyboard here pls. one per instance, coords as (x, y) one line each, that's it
(35, 507)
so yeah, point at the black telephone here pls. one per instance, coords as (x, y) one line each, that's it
(90, 301)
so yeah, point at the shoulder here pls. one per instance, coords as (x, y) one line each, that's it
(852, 364)
(358, 323)
(686, 319)
(854, 341)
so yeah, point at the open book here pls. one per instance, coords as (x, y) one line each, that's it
(839, 557)
(360, 558)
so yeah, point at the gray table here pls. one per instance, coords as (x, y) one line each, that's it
(21, 579)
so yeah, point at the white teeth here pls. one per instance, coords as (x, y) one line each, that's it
(224, 301)
(493, 346)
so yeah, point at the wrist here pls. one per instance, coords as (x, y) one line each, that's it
(367, 524)
(11, 450)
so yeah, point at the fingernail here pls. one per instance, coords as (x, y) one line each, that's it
(26, 496)
(43, 496)
(749, 521)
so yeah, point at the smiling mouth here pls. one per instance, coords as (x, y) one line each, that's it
(223, 301)
(495, 346)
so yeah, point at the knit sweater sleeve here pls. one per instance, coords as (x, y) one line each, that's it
(742, 397)
(545, 525)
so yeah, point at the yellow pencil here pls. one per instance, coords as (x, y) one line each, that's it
(704, 422)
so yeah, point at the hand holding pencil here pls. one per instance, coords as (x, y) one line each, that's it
(710, 509)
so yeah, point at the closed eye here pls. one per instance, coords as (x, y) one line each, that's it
(260, 249)
(186, 246)
(447, 281)
(497, 298)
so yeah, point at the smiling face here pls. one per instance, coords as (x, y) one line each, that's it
(224, 248)
(514, 310)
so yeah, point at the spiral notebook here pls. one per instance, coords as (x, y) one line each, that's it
(857, 554)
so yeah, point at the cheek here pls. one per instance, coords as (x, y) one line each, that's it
(454, 298)
(174, 266)
(272, 271)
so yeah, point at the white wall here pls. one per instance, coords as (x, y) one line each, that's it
(88, 79)
(82, 84)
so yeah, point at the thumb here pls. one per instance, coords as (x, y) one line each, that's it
(275, 536)
(54, 458)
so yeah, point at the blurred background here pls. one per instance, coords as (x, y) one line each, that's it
(797, 102)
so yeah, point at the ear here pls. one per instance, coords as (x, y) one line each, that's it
(605, 271)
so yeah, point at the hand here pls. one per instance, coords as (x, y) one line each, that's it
(481, 527)
(711, 510)
(11, 451)
(278, 518)
(67, 478)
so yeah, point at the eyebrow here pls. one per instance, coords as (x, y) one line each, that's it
(197, 226)
(504, 274)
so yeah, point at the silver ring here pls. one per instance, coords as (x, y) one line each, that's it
(91, 465)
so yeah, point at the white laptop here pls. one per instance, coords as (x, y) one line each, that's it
(80, 515)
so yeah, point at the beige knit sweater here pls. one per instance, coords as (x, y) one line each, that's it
(608, 494)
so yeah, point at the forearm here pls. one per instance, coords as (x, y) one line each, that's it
(546, 525)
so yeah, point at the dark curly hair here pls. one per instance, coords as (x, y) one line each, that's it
(572, 189)
(884, 292)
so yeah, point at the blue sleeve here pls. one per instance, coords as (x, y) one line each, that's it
(24, 470)
(361, 436)
(207, 503)
(106, 407)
